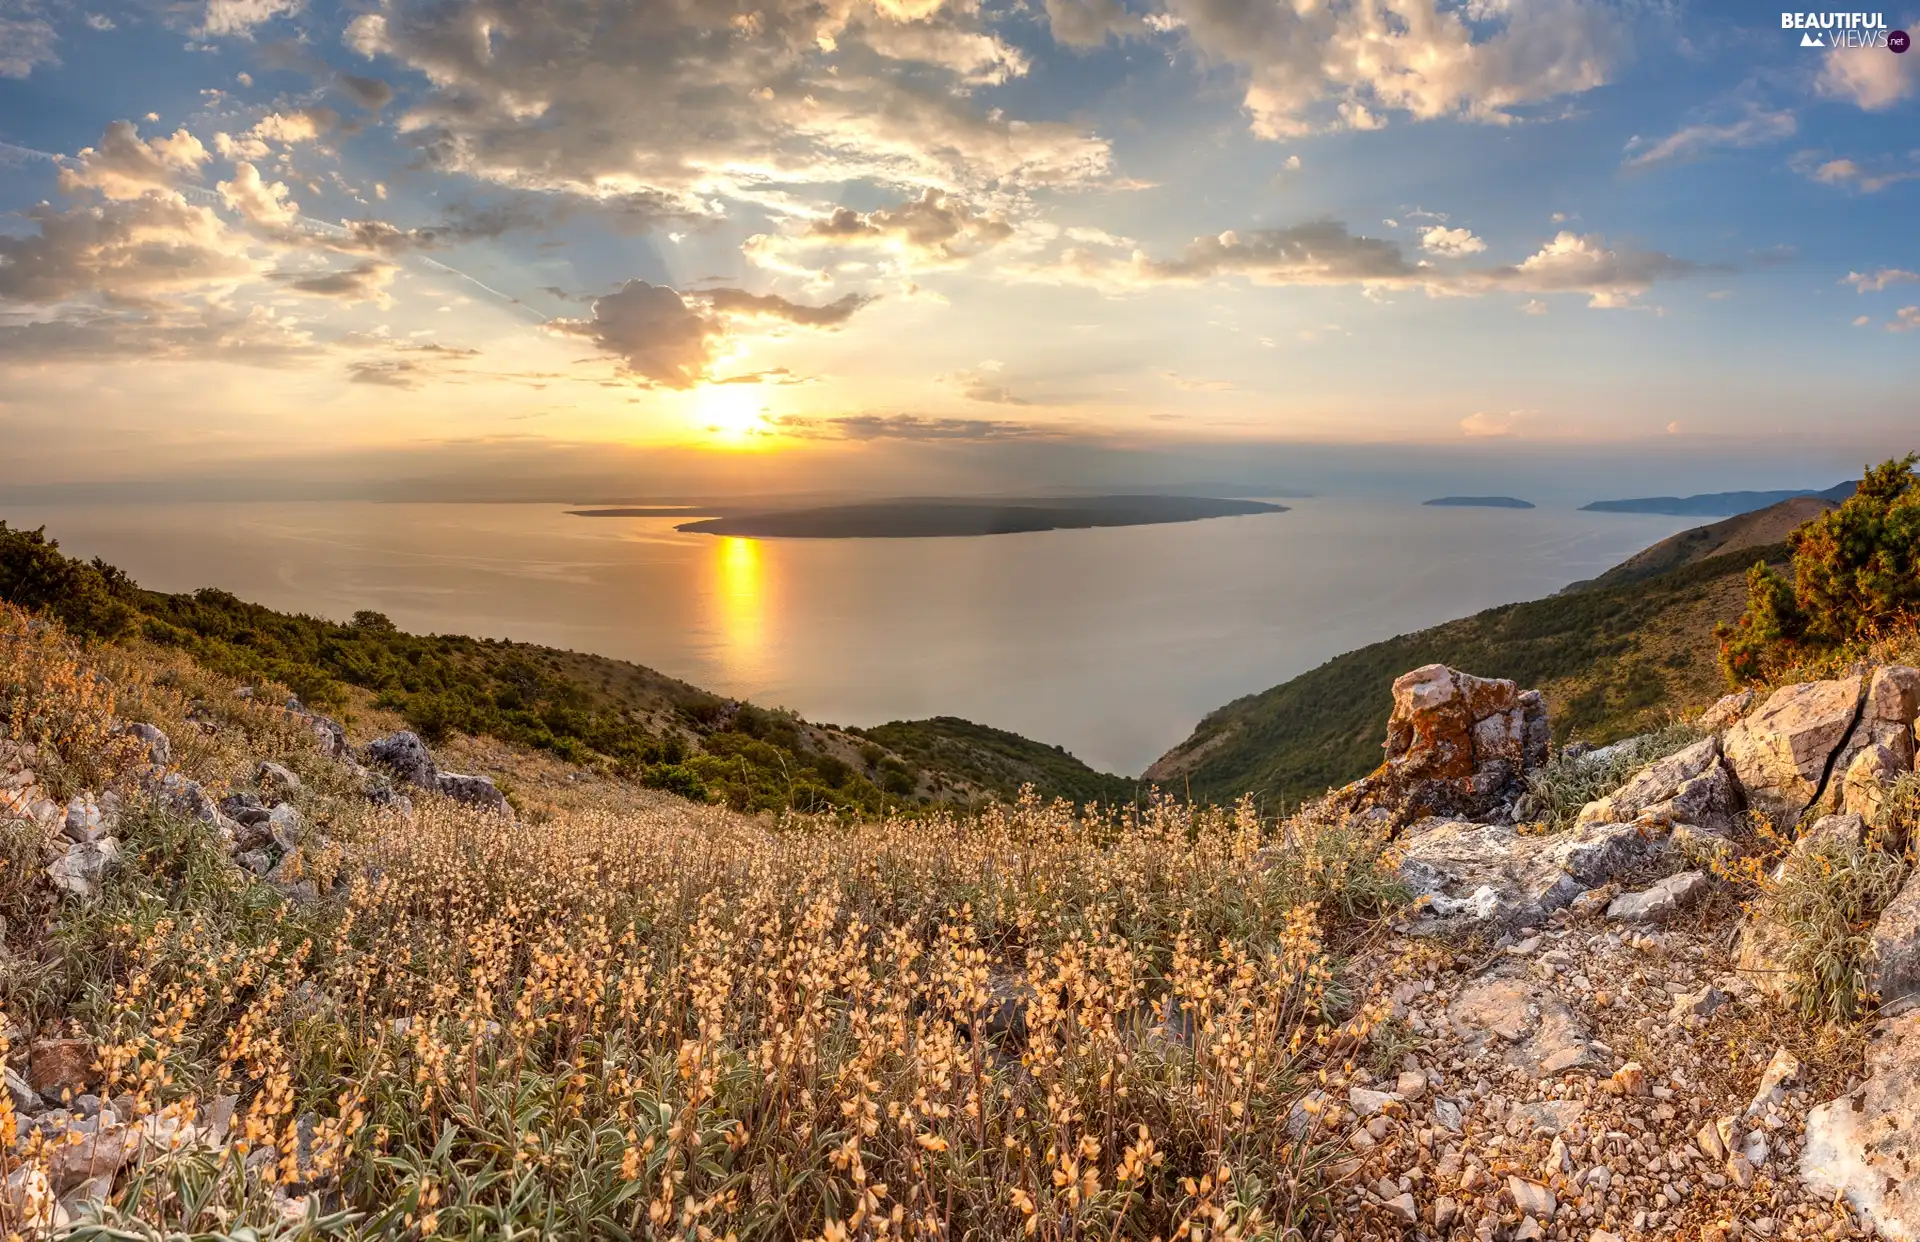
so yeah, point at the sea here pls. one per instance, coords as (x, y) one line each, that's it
(1111, 643)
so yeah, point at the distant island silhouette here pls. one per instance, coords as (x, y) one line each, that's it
(1481, 502)
(947, 517)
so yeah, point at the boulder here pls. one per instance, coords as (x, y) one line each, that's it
(60, 1068)
(283, 827)
(1526, 1025)
(1595, 854)
(477, 791)
(185, 796)
(1894, 970)
(159, 749)
(1691, 786)
(1661, 902)
(84, 867)
(274, 779)
(406, 757)
(1456, 745)
(1728, 710)
(1865, 1145)
(83, 822)
(1833, 832)
(1782, 753)
(1866, 782)
(1760, 956)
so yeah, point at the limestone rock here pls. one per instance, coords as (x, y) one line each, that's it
(1690, 786)
(1728, 710)
(1868, 778)
(274, 779)
(1782, 1072)
(1595, 853)
(1864, 1145)
(1456, 744)
(1895, 959)
(185, 796)
(1781, 752)
(1523, 1023)
(60, 1067)
(83, 822)
(1760, 957)
(159, 749)
(477, 791)
(84, 867)
(405, 756)
(1662, 901)
(1464, 873)
(1531, 1198)
(1833, 832)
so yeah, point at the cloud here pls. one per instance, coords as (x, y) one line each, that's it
(691, 106)
(241, 17)
(740, 303)
(1451, 243)
(256, 337)
(26, 39)
(124, 166)
(1756, 127)
(1906, 319)
(263, 202)
(1350, 63)
(983, 384)
(1325, 253)
(905, 427)
(371, 94)
(1533, 306)
(671, 339)
(935, 230)
(1848, 175)
(414, 365)
(1089, 23)
(365, 281)
(1482, 425)
(284, 128)
(1868, 77)
(122, 252)
(1874, 282)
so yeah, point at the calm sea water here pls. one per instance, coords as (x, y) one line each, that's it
(1112, 643)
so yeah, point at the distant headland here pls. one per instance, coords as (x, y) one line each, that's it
(1481, 502)
(945, 517)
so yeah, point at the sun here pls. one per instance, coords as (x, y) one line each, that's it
(730, 415)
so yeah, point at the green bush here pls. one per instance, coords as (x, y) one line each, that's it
(1824, 901)
(92, 599)
(1856, 574)
(1565, 785)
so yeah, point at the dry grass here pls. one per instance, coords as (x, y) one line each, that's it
(671, 1021)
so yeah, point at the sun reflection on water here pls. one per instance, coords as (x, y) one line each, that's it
(741, 600)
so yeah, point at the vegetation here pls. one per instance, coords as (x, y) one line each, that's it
(1001, 761)
(1567, 783)
(584, 709)
(1612, 662)
(1856, 575)
(679, 1021)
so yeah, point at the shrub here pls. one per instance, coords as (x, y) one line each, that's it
(1856, 573)
(91, 599)
(1824, 901)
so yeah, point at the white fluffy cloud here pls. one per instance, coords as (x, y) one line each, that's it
(1874, 282)
(1869, 77)
(126, 166)
(1353, 62)
(260, 201)
(1451, 243)
(26, 39)
(240, 17)
(932, 231)
(1850, 175)
(123, 252)
(700, 100)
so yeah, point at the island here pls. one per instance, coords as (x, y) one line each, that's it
(1715, 504)
(1480, 502)
(679, 511)
(943, 517)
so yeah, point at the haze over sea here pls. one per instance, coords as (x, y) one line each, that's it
(1111, 643)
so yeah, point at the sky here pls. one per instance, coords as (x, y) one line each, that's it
(707, 246)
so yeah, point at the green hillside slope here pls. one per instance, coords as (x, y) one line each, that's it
(1610, 661)
(587, 709)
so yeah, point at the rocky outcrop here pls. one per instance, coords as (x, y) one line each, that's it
(1661, 902)
(1867, 783)
(1464, 873)
(1728, 710)
(1690, 786)
(1865, 1146)
(1456, 745)
(1895, 957)
(1782, 753)
(477, 791)
(404, 757)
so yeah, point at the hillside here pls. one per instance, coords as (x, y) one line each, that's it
(930, 519)
(1744, 531)
(587, 710)
(1610, 661)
